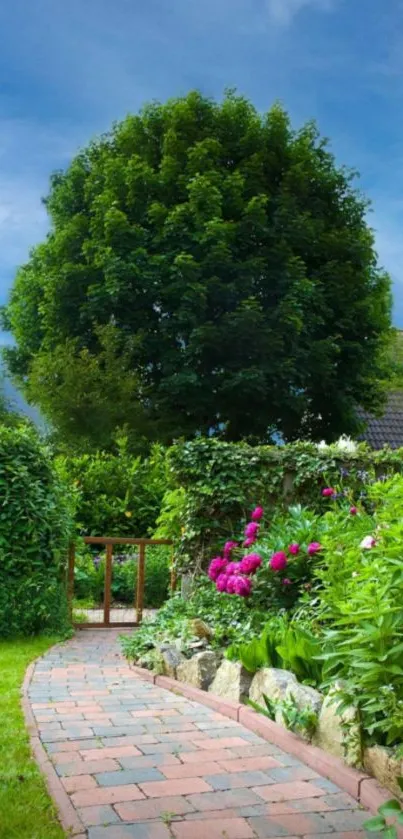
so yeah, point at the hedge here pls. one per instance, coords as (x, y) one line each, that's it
(214, 485)
(116, 494)
(35, 527)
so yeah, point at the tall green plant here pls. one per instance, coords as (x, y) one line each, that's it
(35, 527)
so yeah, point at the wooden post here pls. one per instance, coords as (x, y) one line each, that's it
(70, 578)
(173, 573)
(108, 583)
(140, 581)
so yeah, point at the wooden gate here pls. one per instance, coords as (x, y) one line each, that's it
(108, 542)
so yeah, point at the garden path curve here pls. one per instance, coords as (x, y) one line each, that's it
(140, 762)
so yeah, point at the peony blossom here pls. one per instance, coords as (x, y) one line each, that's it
(278, 561)
(328, 491)
(233, 568)
(368, 542)
(249, 541)
(231, 584)
(229, 547)
(216, 567)
(257, 514)
(353, 511)
(251, 530)
(250, 563)
(243, 586)
(286, 582)
(221, 583)
(293, 549)
(314, 548)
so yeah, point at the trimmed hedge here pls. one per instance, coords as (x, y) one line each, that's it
(214, 486)
(35, 526)
(116, 494)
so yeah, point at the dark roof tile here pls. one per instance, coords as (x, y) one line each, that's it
(386, 430)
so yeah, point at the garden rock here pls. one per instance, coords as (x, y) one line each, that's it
(198, 671)
(231, 681)
(171, 659)
(339, 734)
(201, 629)
(305, 697)
(383, 764)
(272, 683)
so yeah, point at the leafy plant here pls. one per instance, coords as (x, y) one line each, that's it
(391, 809)
(35, 526)
(300, 720)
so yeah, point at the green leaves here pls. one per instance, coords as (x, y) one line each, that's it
(36, 522)
(234, 259)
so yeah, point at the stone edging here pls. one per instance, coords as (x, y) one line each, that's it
(68, 817)
(359, 785)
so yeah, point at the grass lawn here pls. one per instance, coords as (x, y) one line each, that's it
(26, 811)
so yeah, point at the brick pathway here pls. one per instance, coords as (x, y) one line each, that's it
(139, 762)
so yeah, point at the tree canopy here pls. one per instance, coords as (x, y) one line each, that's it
(230, 262)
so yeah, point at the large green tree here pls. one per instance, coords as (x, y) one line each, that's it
(233, 260)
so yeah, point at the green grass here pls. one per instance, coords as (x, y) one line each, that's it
(26, 811)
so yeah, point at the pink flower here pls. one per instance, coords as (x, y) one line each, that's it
(243, 586)
(257, 514)
(251, 530)
(368, 542)
(216, 567)
(229, 547)
(249, 541)
(231, 584)
(278, 561)
(328, 491)
(353, 511)
(293, 549)
(250, 563)
(314, 548)
(221, 583)
(286, 582)
(233, 568)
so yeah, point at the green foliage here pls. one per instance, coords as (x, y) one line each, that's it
(230, 261)
(389, 810)
(359, 601)
(302, 721)
(116, 495)
(35, 526)
(213, 486)
(227, 616)
(90, 575)
(283, 645)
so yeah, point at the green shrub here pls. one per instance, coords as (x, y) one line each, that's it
(117, 495)
(90, 574)
(35, 526)
(359, 601)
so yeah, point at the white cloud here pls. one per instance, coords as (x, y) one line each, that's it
(283, 11)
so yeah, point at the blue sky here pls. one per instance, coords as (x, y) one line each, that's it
(69, 69)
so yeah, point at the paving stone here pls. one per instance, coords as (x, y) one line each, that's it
(237, 780)
(224, 800)
(129, 776)
(154, 808)
(98, 815)
(213, 829)
(137, 831)
(290, 791)
(182, 786)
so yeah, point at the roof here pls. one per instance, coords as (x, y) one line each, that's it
(386, 430)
